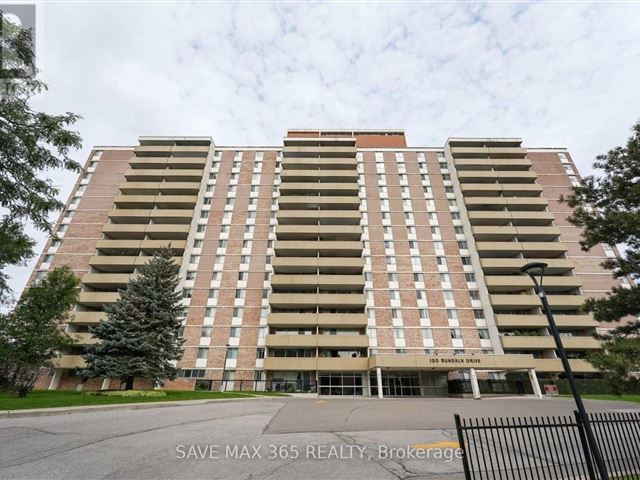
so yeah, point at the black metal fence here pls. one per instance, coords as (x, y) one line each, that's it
(549, 447)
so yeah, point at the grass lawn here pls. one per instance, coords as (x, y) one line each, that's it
(63, 398)
(623, 398)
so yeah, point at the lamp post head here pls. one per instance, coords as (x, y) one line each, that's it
(533, 268)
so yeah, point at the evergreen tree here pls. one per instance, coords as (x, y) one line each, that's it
(140, 335)
(30, 337)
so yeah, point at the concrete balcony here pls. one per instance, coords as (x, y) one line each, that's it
(518, 283)
(511, 266)
(186, 162)
(338, 364)
(87, 318)
(524, 234)
(315, 175)
(523, 342)
(329, 163)
(324, 300)
(540, 321)
(97, 299)
(120, 247)
(500, 203)
(463, 164)
(306, 341)
(494, 234)
(69, 361)
(530, 301)
(343, 341)
(152, 150)
(190, 151)
(123, 264)
(148, 162)
(324, 232)
(528, 249)
(106, 280)
(346, 282)
(163, 201)
(488, 152)
(329, 202)
(322, 217)
(161, 231)
(291, 341)
(314, 264)
(164, 188)
(328, 320)
(142, 216)
(301, 248)
(160, 174)
(328, 188)
(320, 151)
(495, 189)
(482, 218)
(300, 364)
(521, 189)
(491, 176)
(553, 365)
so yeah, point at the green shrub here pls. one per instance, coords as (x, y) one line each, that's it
(128, 393)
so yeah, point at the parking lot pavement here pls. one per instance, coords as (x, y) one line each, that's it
(263, 438)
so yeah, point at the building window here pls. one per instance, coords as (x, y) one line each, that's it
(483, 333)
(232, 353)
(455, 333)
(203, 353)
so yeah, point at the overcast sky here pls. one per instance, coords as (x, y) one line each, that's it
(561, 74)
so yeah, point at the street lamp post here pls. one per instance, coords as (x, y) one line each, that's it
(529, 269)
(223, 383)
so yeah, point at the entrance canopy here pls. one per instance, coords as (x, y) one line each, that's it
(451, 362)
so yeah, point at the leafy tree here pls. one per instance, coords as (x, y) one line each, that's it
(30, 336)
(31, 143)
(140, 335)
(607, 207)
(621, 355)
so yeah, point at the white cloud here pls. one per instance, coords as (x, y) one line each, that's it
(555, 74)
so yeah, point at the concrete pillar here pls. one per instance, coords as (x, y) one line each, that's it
(367, 379)
(106, 383)
(379, 380)
(55, 380)
(475, 388)
(534, 383)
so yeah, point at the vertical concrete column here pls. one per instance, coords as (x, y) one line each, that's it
(367, 380)
(379, 380)
(534, 383)
(475, 388)
(55, 380)
(106, 383)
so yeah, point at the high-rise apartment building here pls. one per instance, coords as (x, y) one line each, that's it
(342, 259)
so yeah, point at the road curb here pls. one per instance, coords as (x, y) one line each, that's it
(41, 412)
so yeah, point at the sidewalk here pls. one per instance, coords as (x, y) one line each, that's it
(39, 412)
